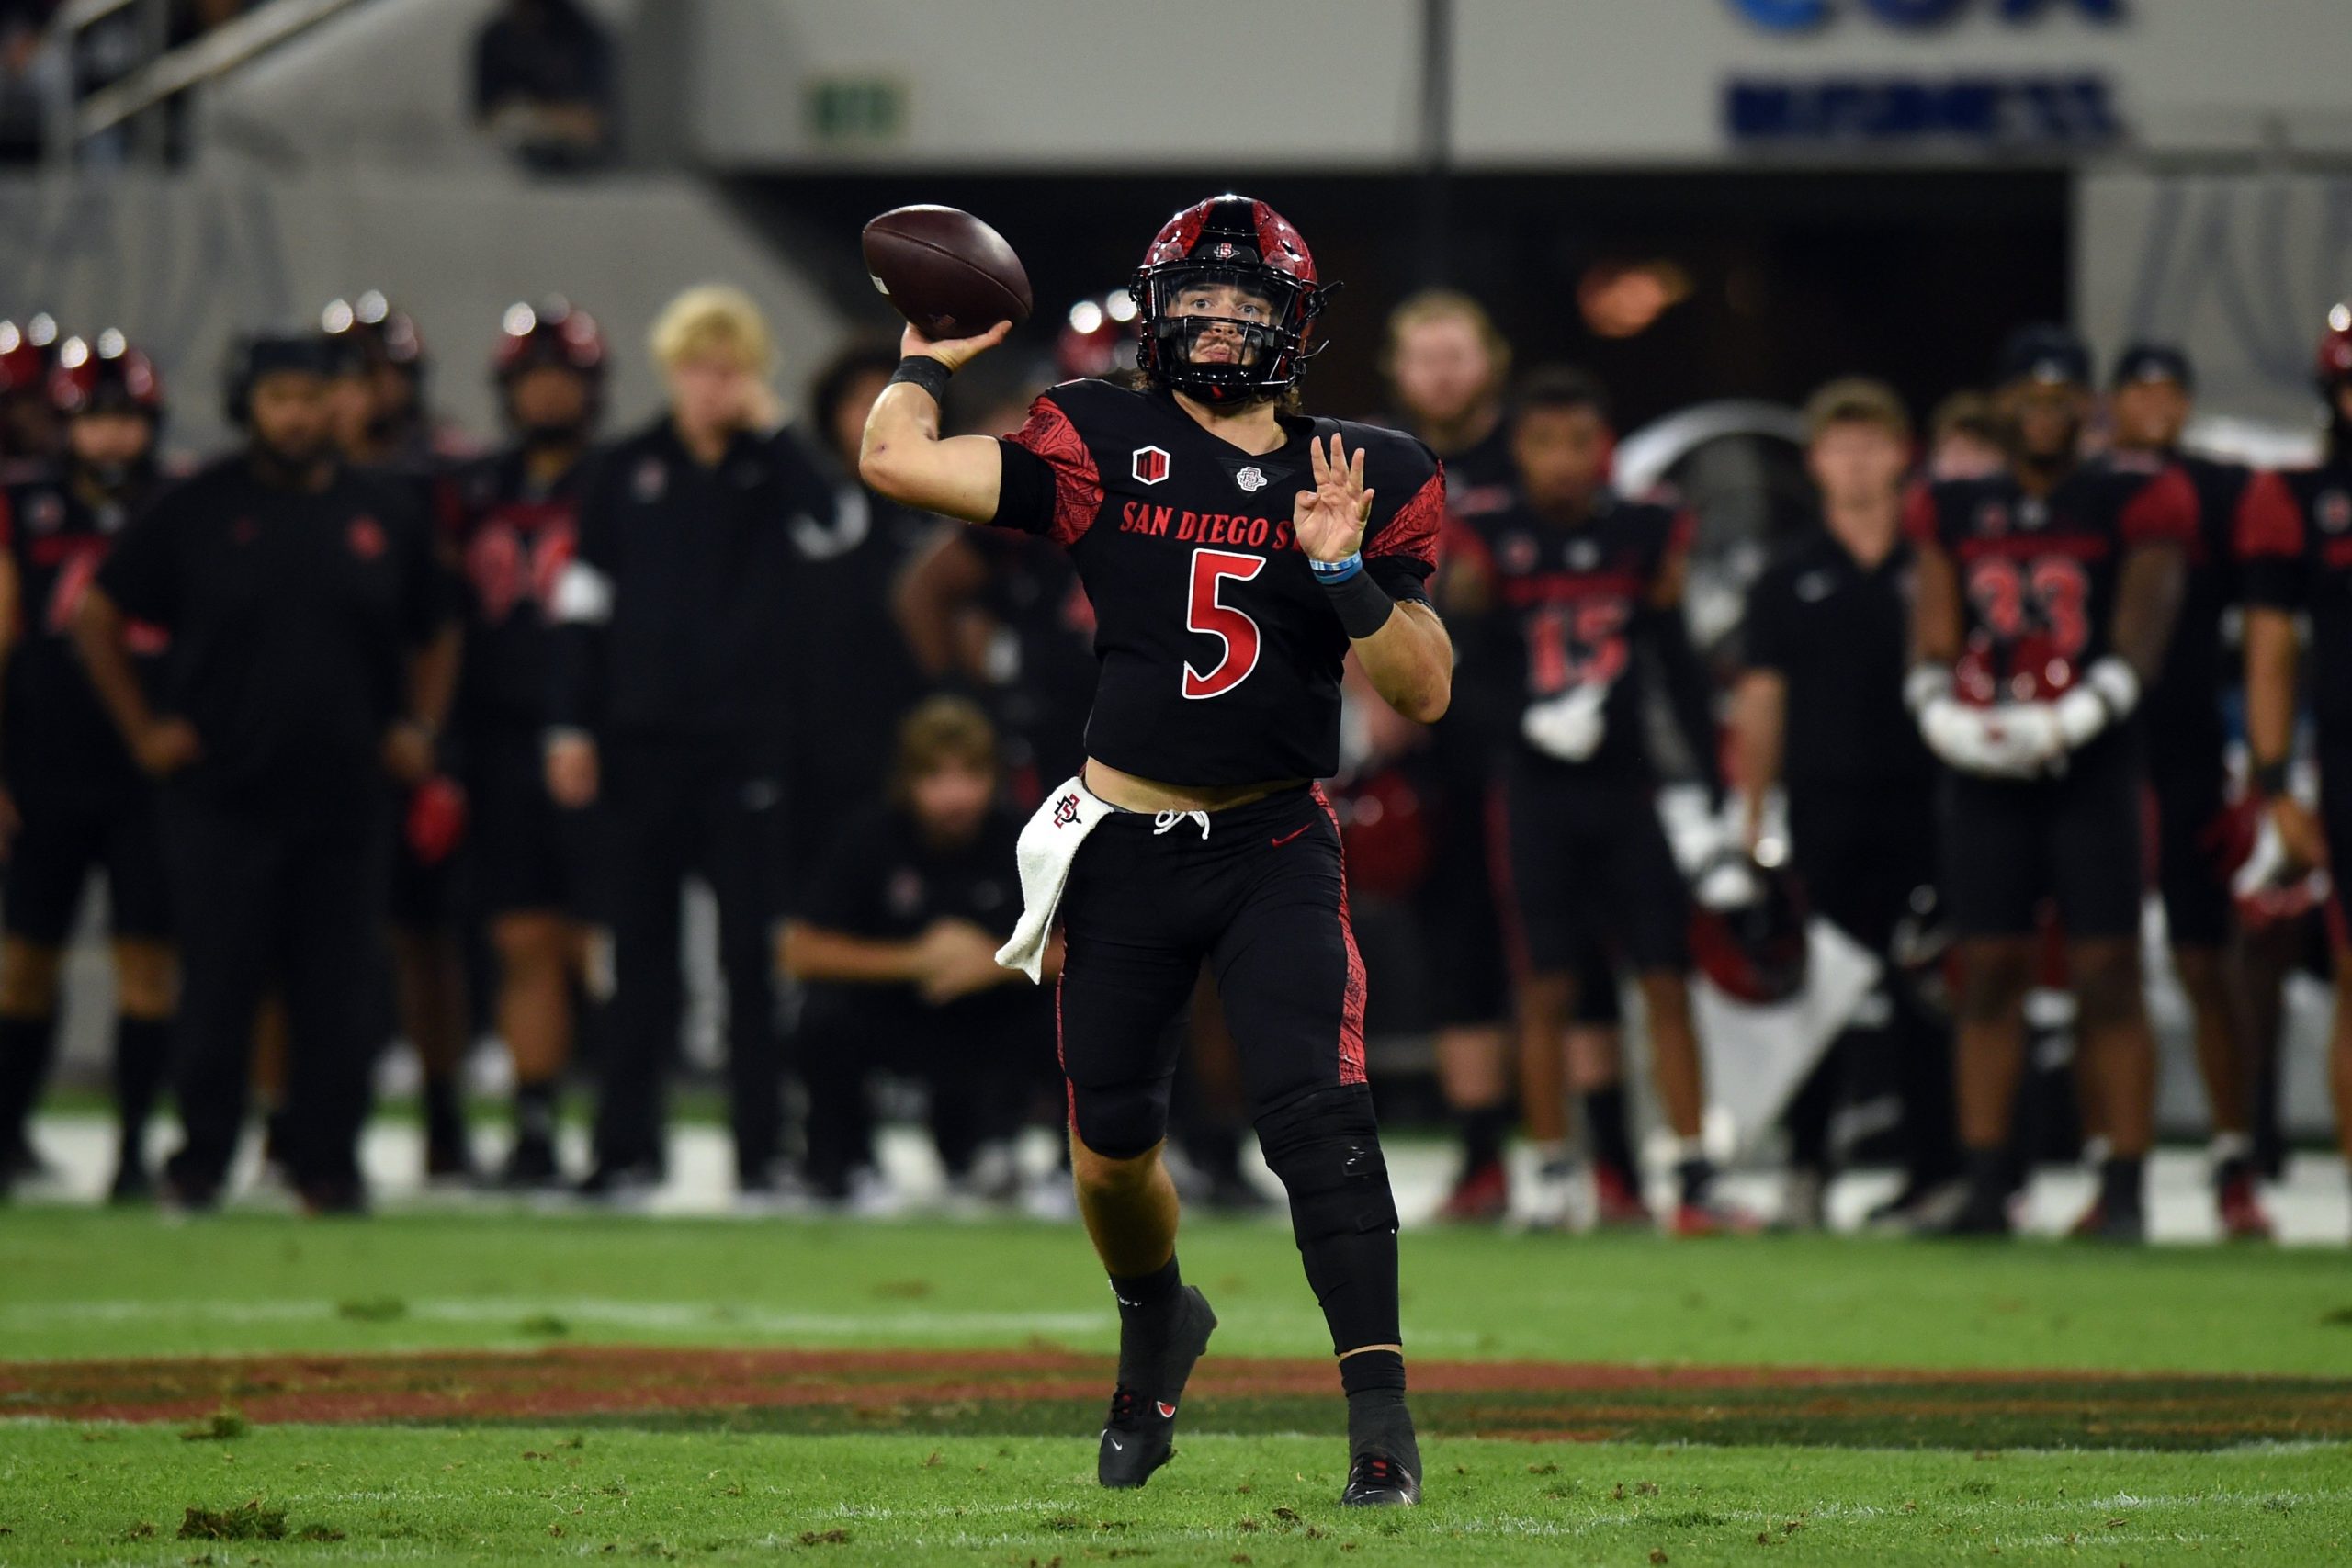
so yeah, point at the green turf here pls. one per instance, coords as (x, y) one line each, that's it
(77, 1283)
(111, 1494)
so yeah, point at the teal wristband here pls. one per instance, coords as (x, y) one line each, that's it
(1329, 572)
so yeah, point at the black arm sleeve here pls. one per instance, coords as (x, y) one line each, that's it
(1025, 494)
(1690, 691)
(1405, 579)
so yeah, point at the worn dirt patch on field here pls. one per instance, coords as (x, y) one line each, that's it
(1046, 1391)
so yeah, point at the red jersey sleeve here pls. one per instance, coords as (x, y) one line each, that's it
(1412, 531)
(2164, 513)
(2269, 524)
(1077, 490)
(1920, 522)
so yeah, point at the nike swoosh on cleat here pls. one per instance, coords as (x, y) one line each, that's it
(1116, 1446)
(1286, 838)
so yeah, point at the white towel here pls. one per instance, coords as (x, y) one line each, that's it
(1049, 844)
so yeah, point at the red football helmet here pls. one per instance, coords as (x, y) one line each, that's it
(113, 377)
(2334, 351)
(27, 353)
(552, 333)
(372, 330)
(1755, 950)
(1235, 242)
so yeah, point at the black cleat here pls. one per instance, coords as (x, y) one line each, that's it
(1376, 1480)
(1140, 1434)
(531, 1165)
(133, 1186)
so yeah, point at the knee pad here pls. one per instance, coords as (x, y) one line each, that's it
(1121, 1121)
(1326, 1148)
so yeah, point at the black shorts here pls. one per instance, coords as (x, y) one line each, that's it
(2075, 840)
(61, 843)
(1453, 909)
(1865, 852)
(524, 853)
(1585, 861)
(2192, 825)
(1263, 899)
(2336, 823)
(423, 897)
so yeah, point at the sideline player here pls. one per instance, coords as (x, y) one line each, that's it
(514, 521)
(2045, 597)
(75, 800)
(1819, 709)
(1447, 366)
(1234, 553)
(2295, 539)
(1581, 591)
(2189, 773)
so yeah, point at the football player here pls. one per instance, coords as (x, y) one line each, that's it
(2046, 594)
(1446, 366)
(27, 422)
(2295, 539)
(513, 520)
(1235, 552)
(75, 800)
(1582, 593)
(2196, 851)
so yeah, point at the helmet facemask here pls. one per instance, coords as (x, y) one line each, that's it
(1269, 352)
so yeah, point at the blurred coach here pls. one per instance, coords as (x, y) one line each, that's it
(667, 661)
(313, 653)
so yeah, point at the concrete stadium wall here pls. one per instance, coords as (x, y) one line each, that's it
(1045, 84)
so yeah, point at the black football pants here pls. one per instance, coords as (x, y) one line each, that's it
(676, 809)
(1864, 853)
(292, 896)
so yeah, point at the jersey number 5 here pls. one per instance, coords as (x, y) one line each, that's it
(1205, 612)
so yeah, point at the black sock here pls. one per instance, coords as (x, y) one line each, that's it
(142, 1053)
(1696, 1179)
(1604, 1128)
(26, 1046)
(445, 1109)
(1992, 1175)
(1148, 1304)
(2123, 1184)
(1483, 1128)
(535, 1111)
(1377, 1418)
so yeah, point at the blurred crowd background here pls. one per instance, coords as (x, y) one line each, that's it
(1713, 212)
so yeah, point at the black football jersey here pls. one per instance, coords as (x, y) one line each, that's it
(1219, 655)
(512, 538)
(2294, 539)
(58, 735)
(2038, 574)
(1567, 601)
(2183, 706)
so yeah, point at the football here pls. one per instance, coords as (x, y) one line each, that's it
(945, 271)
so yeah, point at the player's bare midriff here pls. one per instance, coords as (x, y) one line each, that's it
(1129, 792)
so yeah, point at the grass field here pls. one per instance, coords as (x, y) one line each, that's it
(499, 1387)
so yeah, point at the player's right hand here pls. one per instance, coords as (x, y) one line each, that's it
(953, 352)
(956, 958)
(572, 770)
(2299, 831)
(2001, 743)
(165, 746)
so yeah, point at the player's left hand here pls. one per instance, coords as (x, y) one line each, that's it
(1329, 519)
